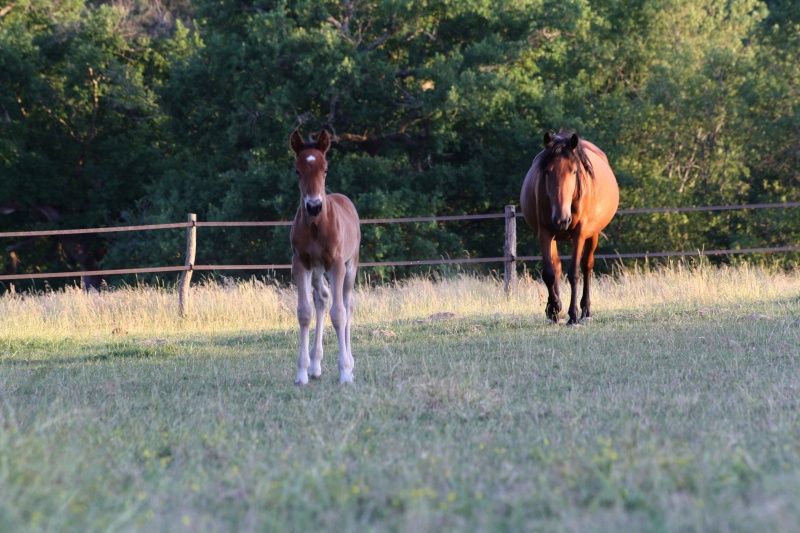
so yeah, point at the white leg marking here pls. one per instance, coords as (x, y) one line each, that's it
(321, 300)
(302, 279)
(339, 320)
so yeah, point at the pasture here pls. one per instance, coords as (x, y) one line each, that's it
(678, 408)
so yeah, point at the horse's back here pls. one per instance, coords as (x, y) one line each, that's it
(605, 199)
(593, 148)
(344, 208)
(527, 198)
(348, 222)
(606, 191)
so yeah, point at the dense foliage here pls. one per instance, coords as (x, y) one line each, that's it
(140, 112)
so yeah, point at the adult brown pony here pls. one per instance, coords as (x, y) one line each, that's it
(570, 194)
(325, 238)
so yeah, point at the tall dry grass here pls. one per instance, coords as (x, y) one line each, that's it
(258, 305)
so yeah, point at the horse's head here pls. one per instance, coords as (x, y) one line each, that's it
(311, 168)
(565, 168)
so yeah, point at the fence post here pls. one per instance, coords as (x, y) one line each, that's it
(510, 249)
(186, 276)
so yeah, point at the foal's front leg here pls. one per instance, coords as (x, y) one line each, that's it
(302, 278)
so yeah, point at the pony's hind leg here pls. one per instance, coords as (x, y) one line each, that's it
(322, 297)
(587, 264)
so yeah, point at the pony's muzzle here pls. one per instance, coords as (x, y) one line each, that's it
(313, 206)
(562, 223)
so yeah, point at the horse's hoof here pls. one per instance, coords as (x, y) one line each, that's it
(315, 376)
(574, 324)
(587, 319)
(302, 379)
(346, 378)
(553, 312)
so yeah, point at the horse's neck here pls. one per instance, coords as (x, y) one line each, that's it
(586, 188)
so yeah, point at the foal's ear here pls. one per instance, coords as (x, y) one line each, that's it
(573, 141)
(296, 142)
(323, 141)
(548, 138)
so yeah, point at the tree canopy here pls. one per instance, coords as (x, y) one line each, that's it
(136, 112)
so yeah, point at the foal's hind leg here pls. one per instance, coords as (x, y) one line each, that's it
(587, 264)
(349, 299)
(322, 298)
(337, 275)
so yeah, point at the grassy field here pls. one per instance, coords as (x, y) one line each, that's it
(677, 409)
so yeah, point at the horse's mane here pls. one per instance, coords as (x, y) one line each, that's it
(561, 147)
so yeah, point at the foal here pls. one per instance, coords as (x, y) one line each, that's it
(325, 237)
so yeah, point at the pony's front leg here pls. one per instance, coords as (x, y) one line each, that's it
(322, 297)
(573, 276)
(587, 264)
(302, 278)
(551, 272)
(337, 274)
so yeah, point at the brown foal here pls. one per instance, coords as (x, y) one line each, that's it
(325, 238)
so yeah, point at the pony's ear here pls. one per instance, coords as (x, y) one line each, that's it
(296, 142)
(323, 141)
(573, 141)
(548, 139)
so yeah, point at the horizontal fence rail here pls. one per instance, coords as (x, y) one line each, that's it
(448, 218)
(509, 258)
(115, 229)
(704, 208)
(419, 262)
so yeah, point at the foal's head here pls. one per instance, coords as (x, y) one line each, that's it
(311, 168)
(566, 168)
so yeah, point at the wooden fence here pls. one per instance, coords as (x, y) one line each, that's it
(509, 258)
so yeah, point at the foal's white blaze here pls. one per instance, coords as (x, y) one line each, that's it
(311, 159)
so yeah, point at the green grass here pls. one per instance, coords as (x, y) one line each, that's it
(677, 409)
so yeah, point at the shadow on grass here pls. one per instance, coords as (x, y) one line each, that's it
(96, 354)
(66, 352)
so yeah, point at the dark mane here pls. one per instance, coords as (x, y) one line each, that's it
(560, 147)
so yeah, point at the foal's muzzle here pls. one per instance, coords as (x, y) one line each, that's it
(313, 206)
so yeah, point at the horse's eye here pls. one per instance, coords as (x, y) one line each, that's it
(326, 171)
(297, 172)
